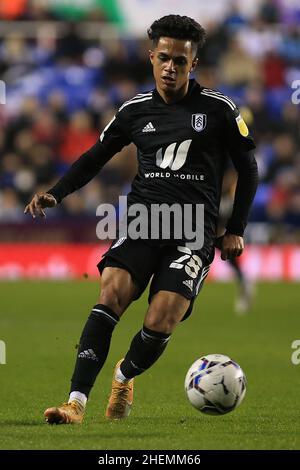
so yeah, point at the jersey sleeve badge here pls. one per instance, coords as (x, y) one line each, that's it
(242, 126)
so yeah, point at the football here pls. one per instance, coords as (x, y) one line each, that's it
(215, 384)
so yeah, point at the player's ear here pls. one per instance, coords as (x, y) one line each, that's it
(151, 56)
(194, 64)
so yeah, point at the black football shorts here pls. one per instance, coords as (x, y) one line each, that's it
(169, 267)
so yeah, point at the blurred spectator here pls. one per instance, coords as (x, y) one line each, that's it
(46, 44)
(70, 47)
(273, 69)
(56, 104)
(259, 38)
(235, 18)
(11, 210)
(283, 157)
(11, 163)
(77, 137)
(237, 67)
(215, 45)
(39, 10)
(45, 127)
(16, 57)
(291, 120)
(269, 12)
(281, 195)
(290, 46)
(256, 100)
(41, 161)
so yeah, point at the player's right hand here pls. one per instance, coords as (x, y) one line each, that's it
(38, 203)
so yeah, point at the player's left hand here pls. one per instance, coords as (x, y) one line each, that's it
(231, 246)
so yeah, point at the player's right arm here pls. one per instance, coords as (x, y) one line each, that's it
(114, 137)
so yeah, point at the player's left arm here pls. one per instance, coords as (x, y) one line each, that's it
(241, 150)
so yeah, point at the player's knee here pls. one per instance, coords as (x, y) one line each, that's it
(163, 320)
(117, 289)
(160, 324)
(110, 296)
(165, 312)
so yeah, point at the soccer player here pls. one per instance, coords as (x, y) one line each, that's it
(184, 134)
(245, 286)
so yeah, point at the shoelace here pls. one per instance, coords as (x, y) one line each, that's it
(120, 394)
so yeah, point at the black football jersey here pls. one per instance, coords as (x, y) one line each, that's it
(182, 148)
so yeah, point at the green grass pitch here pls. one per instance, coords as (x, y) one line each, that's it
(41, 322)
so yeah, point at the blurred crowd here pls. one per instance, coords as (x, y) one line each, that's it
(61, 90)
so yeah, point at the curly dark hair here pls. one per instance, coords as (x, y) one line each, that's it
(177, 27)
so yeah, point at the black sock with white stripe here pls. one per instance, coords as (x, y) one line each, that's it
(93, 348)
(146, 347)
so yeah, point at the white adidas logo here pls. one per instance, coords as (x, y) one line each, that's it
(189, 284)
(88, 354)
(149, 128)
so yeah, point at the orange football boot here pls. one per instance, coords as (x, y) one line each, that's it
(68, 413)
(121, 397)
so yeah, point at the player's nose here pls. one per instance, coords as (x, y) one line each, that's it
(170, 66)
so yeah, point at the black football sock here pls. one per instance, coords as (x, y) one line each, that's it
(146, 347)
(93, 348)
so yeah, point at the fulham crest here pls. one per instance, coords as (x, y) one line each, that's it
(199, 122)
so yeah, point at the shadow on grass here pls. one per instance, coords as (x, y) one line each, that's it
(23, 422)
(128, 437)
(104, 431)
